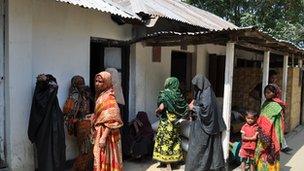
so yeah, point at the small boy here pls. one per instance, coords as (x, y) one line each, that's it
(249, 138)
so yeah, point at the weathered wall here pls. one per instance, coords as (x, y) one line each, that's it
(18, 66)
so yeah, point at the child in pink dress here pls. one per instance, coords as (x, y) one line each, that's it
(249, 137)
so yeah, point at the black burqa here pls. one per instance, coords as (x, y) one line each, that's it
(205, 146)
(46, 128)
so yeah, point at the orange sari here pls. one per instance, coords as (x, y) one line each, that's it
(107, 115)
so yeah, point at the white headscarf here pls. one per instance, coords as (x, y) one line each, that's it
(116, 85)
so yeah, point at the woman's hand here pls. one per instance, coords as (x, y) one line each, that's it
(103, 139)
(160, 108)
(191, 105)
(102, 142)
(41, 77)
(89, 116)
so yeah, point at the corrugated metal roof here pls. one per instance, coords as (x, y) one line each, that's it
(235, 30)
(107, 6)
(171, 9)
(179, 11)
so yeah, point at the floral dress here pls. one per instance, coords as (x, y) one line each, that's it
(168, 142)
(167, 148)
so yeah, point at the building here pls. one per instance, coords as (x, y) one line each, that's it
(147, 41)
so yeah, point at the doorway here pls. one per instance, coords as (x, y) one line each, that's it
(105, 53)
(181, 68)
(2, 115)
(217, 73)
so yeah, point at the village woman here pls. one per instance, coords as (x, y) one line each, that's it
(76, 108)
(205, 146)
(271, 132)
(171, 107)
(106, 122)
(46, 125)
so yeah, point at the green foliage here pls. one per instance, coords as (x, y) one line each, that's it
(284, 19)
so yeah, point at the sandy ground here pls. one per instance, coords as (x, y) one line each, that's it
(289, 162)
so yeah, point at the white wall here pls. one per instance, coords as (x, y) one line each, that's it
(19, 84)
(46, 36)
(147, 77)
(2, 117)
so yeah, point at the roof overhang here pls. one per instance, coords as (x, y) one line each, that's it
(106, 6)
(249, 38)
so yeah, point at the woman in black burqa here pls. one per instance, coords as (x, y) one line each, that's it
(205, 147)
(46, 129)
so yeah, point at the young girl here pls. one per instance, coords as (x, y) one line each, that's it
(249, 136)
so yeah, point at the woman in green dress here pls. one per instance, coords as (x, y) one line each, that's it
(271, 131)
(171, 107)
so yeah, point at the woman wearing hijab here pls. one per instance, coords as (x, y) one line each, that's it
(116, 85)
(171, 107)
(142, 135)
(125, 135)
(106, 122)
(76, 108)
(46, 125)
(77, 105)
(205, 146)
(271, 130)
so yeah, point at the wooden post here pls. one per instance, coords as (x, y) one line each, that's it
(292, 61)
(285, 75)
(302, 91)
(228, 96)
(265, 72)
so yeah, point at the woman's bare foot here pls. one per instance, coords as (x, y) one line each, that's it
(162, 165)
(169, 167)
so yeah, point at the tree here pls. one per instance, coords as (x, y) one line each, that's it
(283, 19)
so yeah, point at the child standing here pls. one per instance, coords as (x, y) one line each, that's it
(249, 137)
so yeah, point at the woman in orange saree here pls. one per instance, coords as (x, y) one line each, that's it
(106, 122)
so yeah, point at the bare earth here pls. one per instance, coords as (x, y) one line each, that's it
(291, 162)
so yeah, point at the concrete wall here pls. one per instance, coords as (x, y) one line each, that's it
(46, 36)
(147, 77)
(19, 84)
(2, 117)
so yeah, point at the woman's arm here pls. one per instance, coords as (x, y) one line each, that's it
(202, 102)
(102, 141)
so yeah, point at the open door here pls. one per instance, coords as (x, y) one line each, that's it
(181, 68)
(105, 55)
(2, 116)
(217, 73)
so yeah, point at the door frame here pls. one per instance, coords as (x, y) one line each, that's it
(190, 69)
(2, 76)
(125, 67)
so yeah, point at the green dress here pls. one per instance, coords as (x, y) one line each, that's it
(167, 146)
